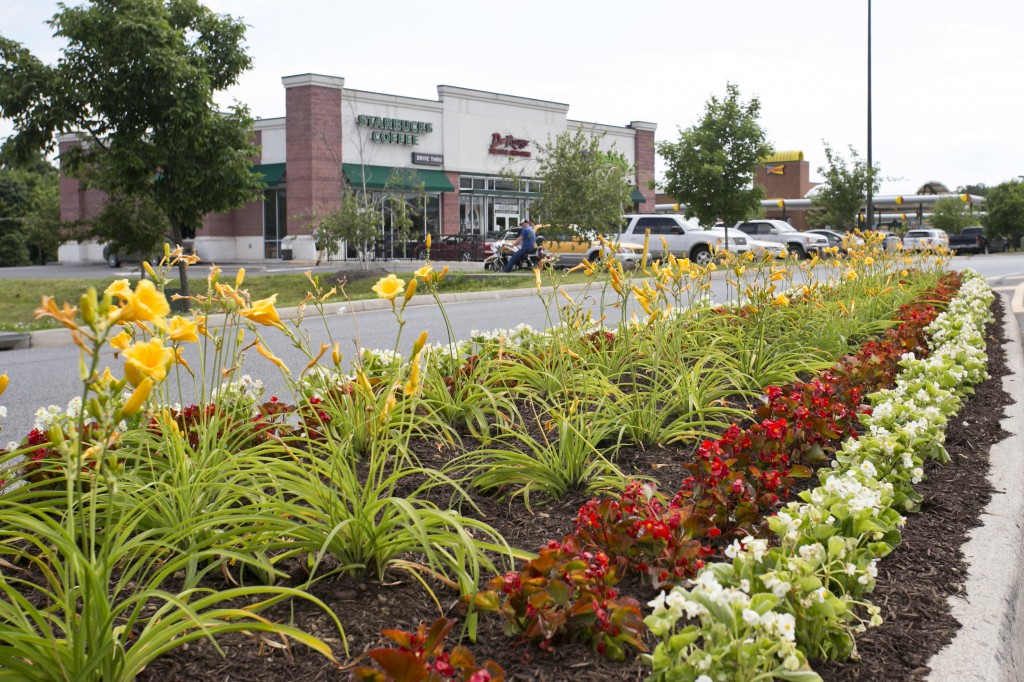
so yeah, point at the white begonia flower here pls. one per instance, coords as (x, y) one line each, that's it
(751, 617)
(703, 678)
(677, 600)
(849, 569)
(917, 475)
(868, 469)
(786, 626)
(733, 550)
(745, 585)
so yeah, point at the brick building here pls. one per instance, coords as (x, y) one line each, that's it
(450, 156)
(785, 176)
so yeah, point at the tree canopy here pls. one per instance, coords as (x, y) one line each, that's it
(711, 167)
(1004, 211)
(136, 83)
(29, 211)
(952, 215)
(584, 188)
(842, 194)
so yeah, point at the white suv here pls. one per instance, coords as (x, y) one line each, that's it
(801, 244)
(926, 240)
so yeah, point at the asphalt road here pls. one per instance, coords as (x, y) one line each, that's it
(50, 375)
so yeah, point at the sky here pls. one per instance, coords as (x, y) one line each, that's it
(947, 92)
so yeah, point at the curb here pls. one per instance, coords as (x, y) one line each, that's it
(990, 643)
(47, 338)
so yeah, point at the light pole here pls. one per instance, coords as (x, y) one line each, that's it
(870, 209)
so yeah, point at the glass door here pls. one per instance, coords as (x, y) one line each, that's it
(505, 221)
(275, 222)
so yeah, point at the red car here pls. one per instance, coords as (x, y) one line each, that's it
(464, 247)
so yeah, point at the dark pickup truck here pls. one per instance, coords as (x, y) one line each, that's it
(974, 240)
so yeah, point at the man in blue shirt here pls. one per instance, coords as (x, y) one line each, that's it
(527, 242)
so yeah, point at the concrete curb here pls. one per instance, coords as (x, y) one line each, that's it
(990, 643)
(62, 337)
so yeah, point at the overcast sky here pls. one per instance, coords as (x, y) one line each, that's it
(947, 87)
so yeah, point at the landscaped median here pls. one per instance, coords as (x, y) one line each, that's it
(677, 433)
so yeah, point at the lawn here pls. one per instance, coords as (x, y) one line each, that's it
(22, 296)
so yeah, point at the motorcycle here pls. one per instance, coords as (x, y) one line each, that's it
(538, 258)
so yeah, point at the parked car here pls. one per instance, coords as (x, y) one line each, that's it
(840, 240)
(570, 251)
(115, 257)
(800, 244)
(759, 247)
(464, 247)
(925, 240)
(683, 238)
(974, 240)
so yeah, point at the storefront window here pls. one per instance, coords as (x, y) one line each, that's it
(275, 221)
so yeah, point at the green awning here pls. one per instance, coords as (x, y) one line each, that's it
(380, 177)
(636, 196)
(271, 172)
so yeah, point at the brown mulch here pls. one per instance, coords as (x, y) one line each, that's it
(914, 582)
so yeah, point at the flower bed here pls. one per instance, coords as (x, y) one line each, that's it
(239, 496)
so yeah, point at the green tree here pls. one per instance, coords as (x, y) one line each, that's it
(583, 187)
(29, 210)
(951, 215)
(978, 190)
(843, 193)
(1004, 211)
(137, 81)
(356, 221)
(711, 167)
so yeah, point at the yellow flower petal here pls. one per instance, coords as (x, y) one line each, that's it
(147, 360)
(389, 287)
(263, 312)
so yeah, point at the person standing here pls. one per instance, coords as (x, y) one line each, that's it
(527, 243)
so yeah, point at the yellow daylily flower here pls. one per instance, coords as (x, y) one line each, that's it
(850, 275)
(121, 341)
(781, 300)
(263, 312)
(181, 329)
(65, 314)
(147, 360)
(4, 380)
(426, 273)
(145, 304)
(119, 288)
(240, 277)
(389, 287)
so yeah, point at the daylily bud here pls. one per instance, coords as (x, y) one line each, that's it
(137, 398)
(420, 342)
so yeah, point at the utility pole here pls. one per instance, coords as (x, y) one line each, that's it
(870, 209)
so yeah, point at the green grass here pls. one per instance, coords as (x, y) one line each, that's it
(23, 295)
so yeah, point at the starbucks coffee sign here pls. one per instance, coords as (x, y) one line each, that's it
(394, 130)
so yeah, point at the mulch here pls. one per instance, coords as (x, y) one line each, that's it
(914, 582)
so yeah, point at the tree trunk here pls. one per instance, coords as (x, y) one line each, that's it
(182, 268)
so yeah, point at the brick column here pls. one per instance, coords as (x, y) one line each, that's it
(76, 202)
(643, 152)
(450, 206)
(313, 146)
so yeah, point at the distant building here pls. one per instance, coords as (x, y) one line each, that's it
(447, 155)
(784, 176)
